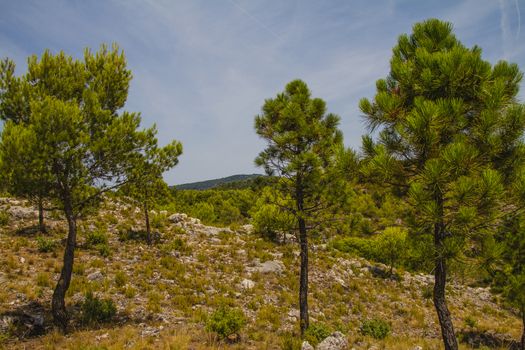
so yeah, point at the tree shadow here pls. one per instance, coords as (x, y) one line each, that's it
(26, 321)
(32, 230)
(139, 236)
(478, 339)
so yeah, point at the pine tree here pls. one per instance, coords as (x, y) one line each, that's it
(146, 185)
(302, 140)
(15, 97)
(449, 132)
(78, 138)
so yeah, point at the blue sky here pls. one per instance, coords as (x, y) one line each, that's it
(202, 69)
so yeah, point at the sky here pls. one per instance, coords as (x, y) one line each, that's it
(203, 68)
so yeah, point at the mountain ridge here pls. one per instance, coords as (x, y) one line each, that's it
(213, 183)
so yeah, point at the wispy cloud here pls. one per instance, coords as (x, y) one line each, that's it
(203, 69)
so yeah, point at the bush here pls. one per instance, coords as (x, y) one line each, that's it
(45, 245)
(94, 238)
(290, 342)
(158, 221)
(4, 218)
(376, 328)
(129, 234)
(95, 310)
(316, 332)
(225, 321)
(103, 249)
(121, 279)
(99, 240)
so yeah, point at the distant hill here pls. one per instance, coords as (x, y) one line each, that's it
(230, 182)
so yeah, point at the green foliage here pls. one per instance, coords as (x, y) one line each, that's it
(176, 244)
(375, 328)
(4, 218)
(389, 247)
(127, 234)
(45, 244)
(290, 341)
(316, 332)
(95, 310)
(96, 237)
(450, 137)
(225, 321)
(268, 217)
(214, 207)
(158, 221)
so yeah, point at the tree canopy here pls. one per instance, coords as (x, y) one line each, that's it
(450, 135)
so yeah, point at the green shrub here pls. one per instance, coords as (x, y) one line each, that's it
(121, 279)
(290, 341)
(427, 292)
(94, 238)
(95, 310)
(158, 221)
(131, 235)
(176, 244)
(225, 321)
(103, 249)
(470, 322)
(45, 245)
(4, 218)
(316, 332)
(355, 245)
(375, 328)
(391, 246)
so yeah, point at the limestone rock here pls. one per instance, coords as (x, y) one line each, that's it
(95, 276)
(178, 217)
(247, 284)
(306, 346)
(336, 341)
(270, 266)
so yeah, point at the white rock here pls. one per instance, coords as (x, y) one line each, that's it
(95, 276)
(306, 346)
(247, 284)
(336, 341)
(178, 217)
(270, 266)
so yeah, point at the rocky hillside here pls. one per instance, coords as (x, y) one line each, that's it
(164, 293)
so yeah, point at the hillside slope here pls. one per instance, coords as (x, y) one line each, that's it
(164, 293)
(209, 184)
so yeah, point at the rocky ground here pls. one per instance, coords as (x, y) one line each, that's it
(164, 292)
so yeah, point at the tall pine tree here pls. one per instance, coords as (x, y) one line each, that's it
(302, 142)
(449, 132)
(77, 136)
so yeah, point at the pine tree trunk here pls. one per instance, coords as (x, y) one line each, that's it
(303, 282)
(440, 276)
(41, 224)
(58, 306)
(148, 229)
(303, 242)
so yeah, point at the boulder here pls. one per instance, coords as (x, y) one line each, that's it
(336, 341)
(270, 266)
(178, 217)
(95, 276)
(247, 284)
